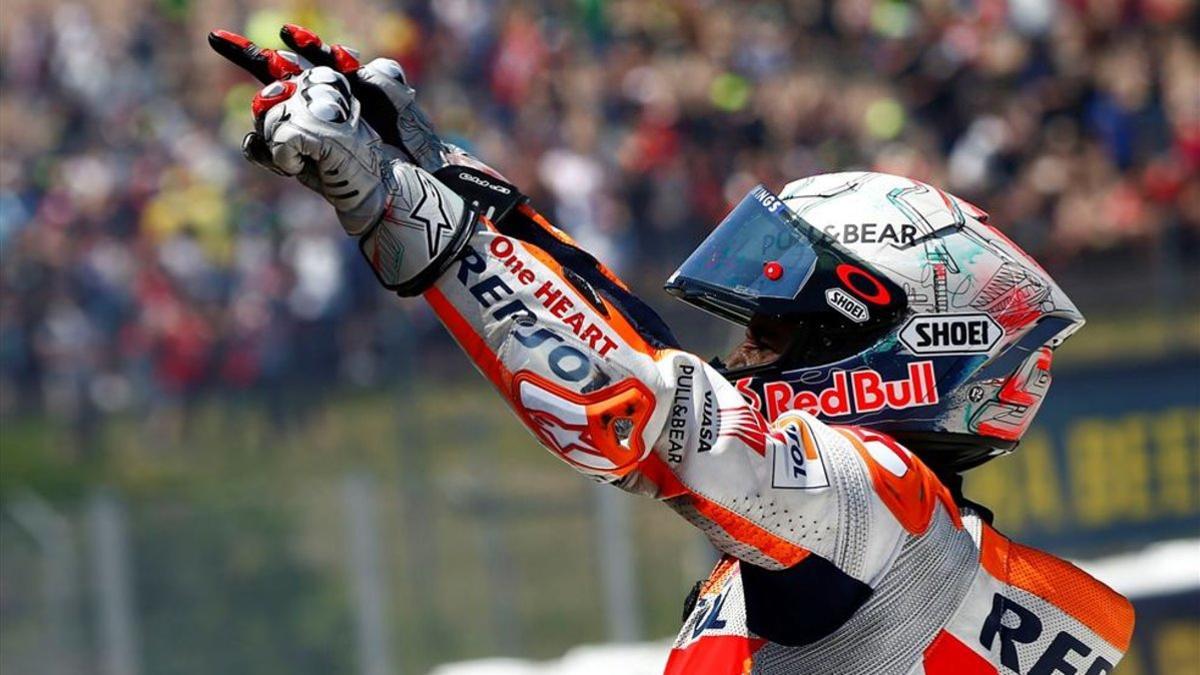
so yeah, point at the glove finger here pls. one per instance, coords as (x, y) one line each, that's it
(268, 97)
(255, 149)
(309, 45)
(267, 65)
(389, 75)
(293, 150)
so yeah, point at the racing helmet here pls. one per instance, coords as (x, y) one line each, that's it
(908, 312)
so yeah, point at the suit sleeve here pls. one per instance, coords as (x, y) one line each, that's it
(598, 380)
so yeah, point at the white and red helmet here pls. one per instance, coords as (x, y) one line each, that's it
(913, 315)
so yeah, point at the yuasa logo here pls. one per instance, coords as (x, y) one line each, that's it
(848, 305)
(951, 334)
(859, 391)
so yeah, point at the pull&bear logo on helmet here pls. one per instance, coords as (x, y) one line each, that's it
(852, 392)
(903, 234)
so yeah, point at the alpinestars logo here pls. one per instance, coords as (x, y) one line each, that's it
(563, 426)
(600, 433)
(430, 212)
(567, 438)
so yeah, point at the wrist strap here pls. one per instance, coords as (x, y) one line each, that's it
(492, 197)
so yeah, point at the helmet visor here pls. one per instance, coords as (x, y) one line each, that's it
(764, 259)
(760, 250)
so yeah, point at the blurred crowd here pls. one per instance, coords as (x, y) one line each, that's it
(144, 263)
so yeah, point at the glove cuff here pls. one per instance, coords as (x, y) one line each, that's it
(422, 229)
(487, 192)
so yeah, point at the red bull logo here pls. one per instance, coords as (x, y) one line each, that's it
(851, 392)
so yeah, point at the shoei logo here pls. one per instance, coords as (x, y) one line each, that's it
(951, 334)
(847, 305)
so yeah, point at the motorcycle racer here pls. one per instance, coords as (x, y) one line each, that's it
(881, 315)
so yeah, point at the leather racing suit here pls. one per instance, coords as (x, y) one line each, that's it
(843, 553)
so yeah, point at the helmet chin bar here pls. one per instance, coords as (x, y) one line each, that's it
(815, 342)
(949, 453)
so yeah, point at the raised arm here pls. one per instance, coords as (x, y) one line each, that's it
(591, 371)
(596, 378)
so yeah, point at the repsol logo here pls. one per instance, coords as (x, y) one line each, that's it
(500, 302)
(903, 234)
(1009, 625)
(951, 334)
(711, 619)
(798, 464)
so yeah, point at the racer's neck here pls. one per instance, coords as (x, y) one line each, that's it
(954, 482)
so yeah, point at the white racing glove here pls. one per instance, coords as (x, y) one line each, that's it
(390, 107)
(410, 226)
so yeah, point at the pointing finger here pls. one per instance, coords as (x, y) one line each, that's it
(255, 149)
(309, 45)
(267, 65)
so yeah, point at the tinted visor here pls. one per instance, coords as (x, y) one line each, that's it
(759, 250)
(764, 259)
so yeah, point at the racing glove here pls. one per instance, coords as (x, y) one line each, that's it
(387, 104)
(308, 125)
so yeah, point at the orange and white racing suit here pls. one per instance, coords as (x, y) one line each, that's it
(844, 554)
